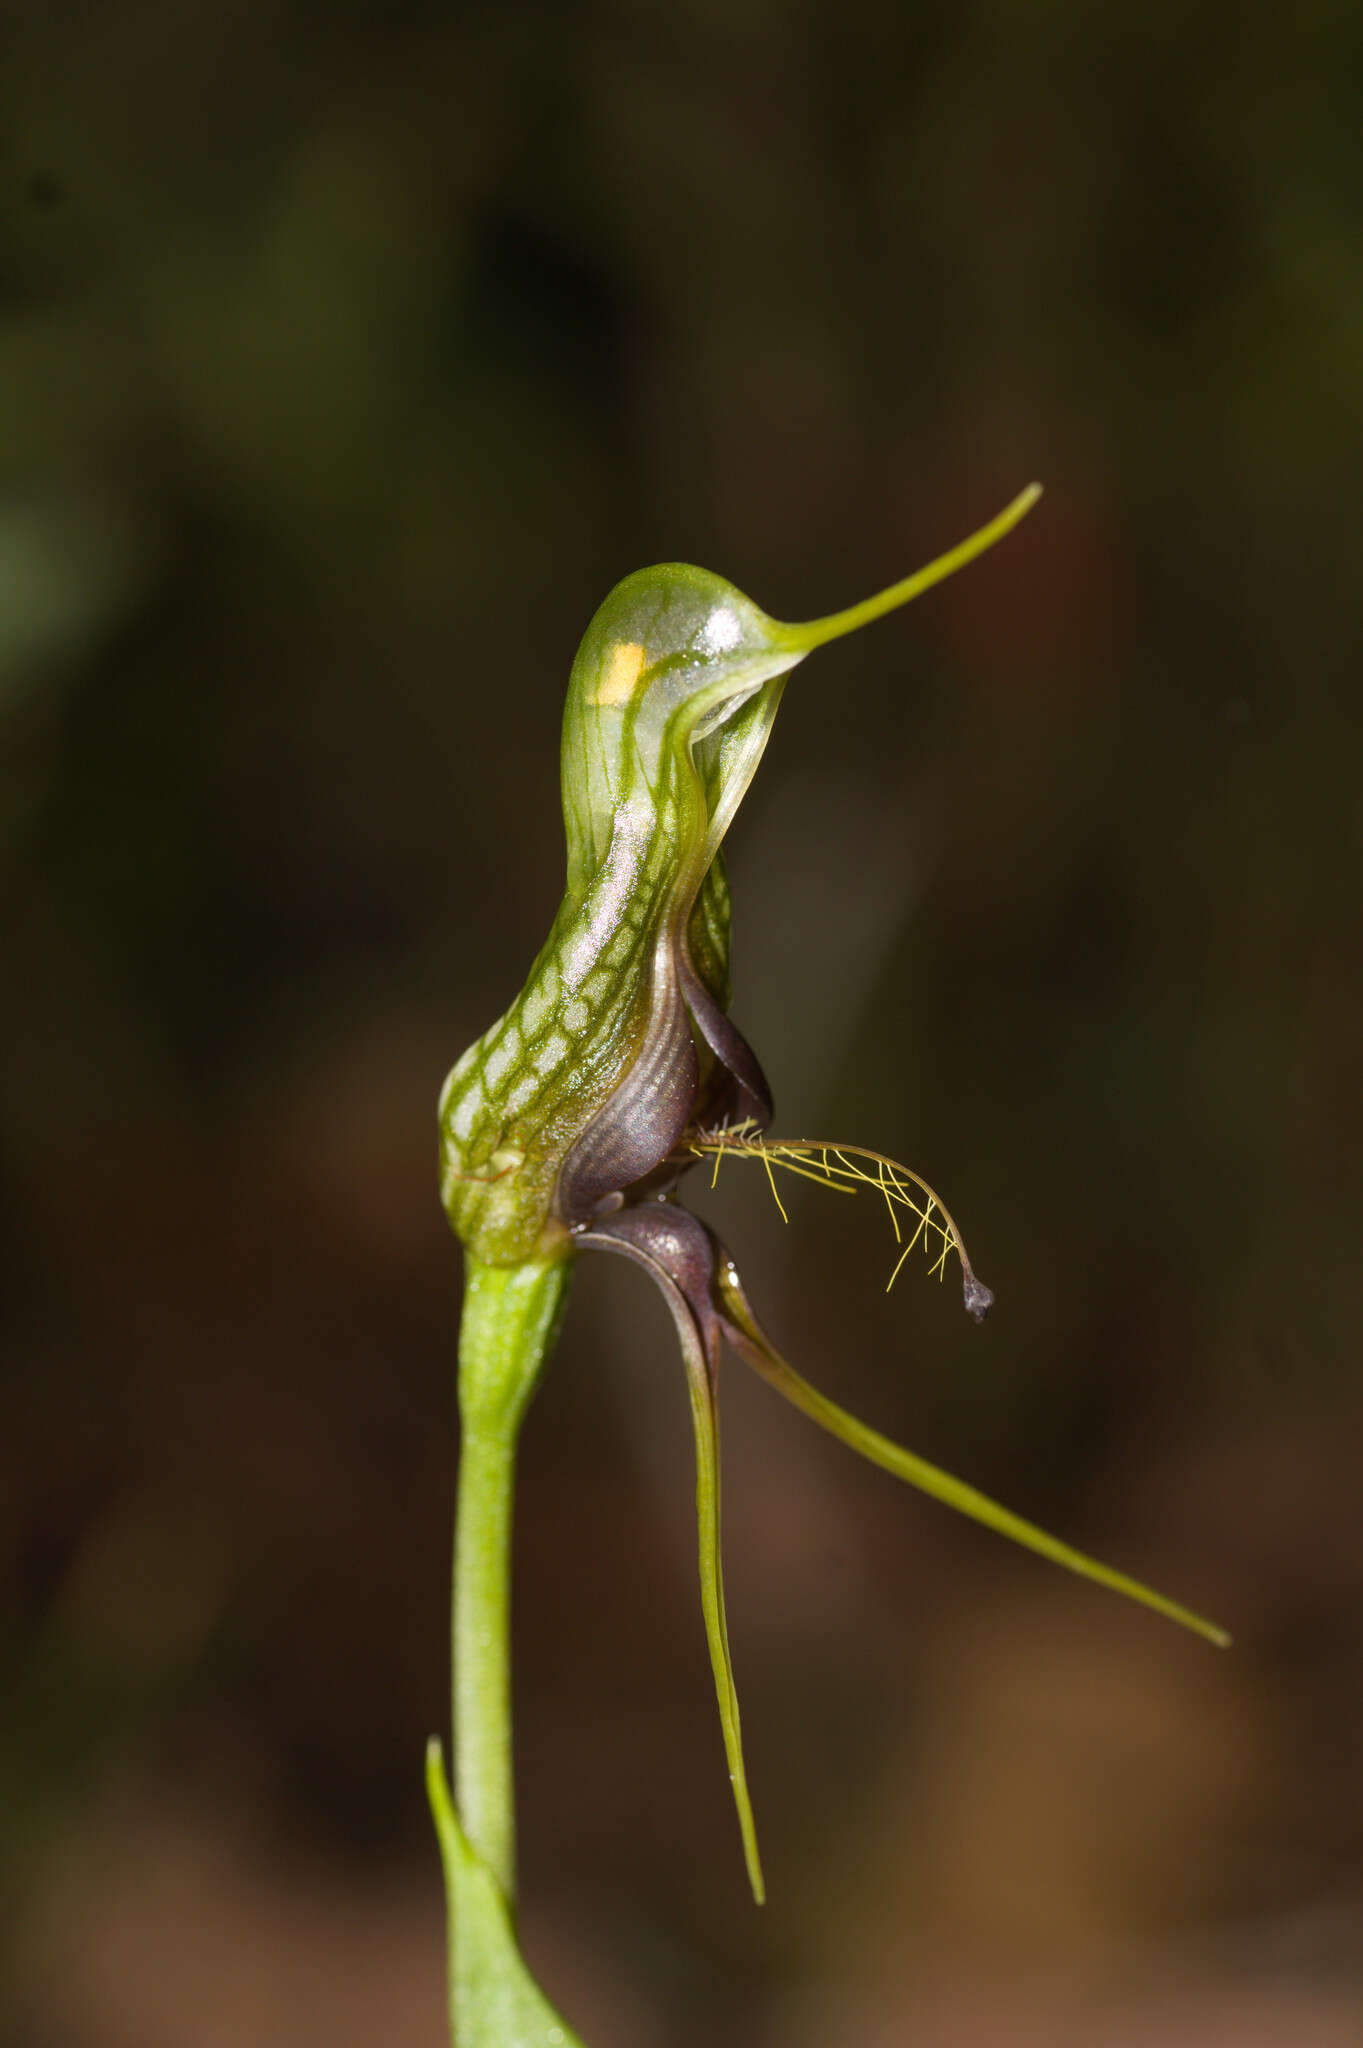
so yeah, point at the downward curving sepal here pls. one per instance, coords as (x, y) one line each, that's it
(679, 1253)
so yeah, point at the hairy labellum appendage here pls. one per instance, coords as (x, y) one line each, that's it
(569, 1124)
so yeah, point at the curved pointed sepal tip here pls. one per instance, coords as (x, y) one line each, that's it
(494, 2001)
(816, 632)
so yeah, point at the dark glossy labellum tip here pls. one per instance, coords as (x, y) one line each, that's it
(978, 1298)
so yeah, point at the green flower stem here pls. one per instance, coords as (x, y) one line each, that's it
(510, 1321)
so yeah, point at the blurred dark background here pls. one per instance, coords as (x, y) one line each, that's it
(347, 357)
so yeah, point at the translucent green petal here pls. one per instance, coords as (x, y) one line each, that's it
(751, 1341)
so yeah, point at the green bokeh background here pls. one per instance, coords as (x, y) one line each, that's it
(347, 357)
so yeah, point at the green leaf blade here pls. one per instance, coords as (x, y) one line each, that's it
(494, 2001)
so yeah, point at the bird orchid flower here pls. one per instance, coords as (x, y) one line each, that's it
(569, 1127)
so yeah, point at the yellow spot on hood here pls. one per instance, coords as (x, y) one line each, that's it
(620, 674)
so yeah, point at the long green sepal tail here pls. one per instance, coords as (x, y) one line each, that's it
(749, 1338)
(705, 1420)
